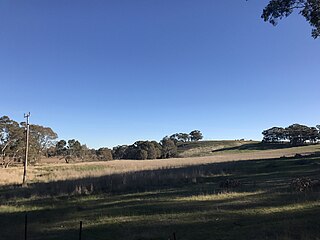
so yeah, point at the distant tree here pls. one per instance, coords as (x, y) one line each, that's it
(180, 137)
(104, 154)
(141, 154)
(88, 154)
(313, 134)
(119, 152)
(145, 150)
(174, 137)
(61, 148)
(11, 140)
(298, 134)
(91, 154)
(149, 148)
(153, 149)
(169, 148)
(139, 150)
(41, 139)
(195, 135)
(157, 149)
(274, 135)
(51, 151)
(75, 148)
(309, 9)
(184, 137)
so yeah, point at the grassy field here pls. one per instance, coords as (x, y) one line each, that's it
(207, 148)
(152, 199)
(213, 148)
(57, 170)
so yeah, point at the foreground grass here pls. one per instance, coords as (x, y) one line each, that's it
(187, 200)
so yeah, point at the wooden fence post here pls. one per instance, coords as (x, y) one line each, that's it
(80, 231)
(25, 226)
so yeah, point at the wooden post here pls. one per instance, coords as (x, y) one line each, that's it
(174, 236)
(24, 182)
(80, 230)
(25, 226)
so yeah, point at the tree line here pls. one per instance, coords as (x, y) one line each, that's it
(12, 141)
(43, 143)
(166, 148)
(74, 150)
(295, 134)
(140, 150)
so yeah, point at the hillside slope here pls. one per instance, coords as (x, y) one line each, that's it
(207, 148)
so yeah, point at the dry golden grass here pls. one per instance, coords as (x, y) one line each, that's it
(50, 170)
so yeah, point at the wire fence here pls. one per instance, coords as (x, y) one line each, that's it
(83, 234)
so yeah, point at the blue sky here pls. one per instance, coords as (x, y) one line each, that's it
(113, 72)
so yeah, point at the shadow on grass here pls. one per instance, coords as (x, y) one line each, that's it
(256, 216)
(266, 173)
(258, 146)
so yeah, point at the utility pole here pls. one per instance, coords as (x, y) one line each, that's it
(24, 183)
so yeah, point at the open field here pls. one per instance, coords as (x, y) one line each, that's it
(219, 147)
(49, 172)
(152, 199)
(207, 148)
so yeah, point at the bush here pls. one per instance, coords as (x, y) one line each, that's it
(229, 183)
(302, 184)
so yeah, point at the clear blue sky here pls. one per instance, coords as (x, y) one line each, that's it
(113, 72)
